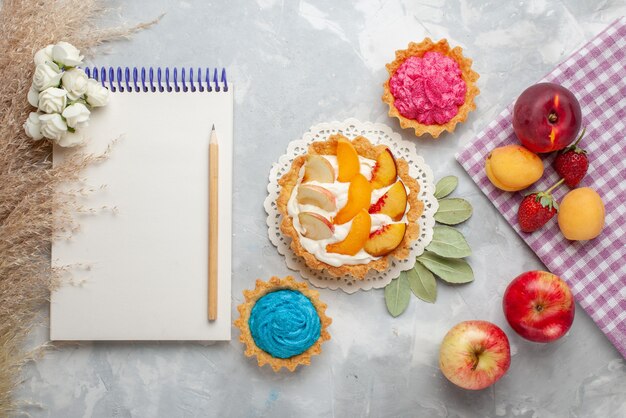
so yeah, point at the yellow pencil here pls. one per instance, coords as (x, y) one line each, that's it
(213, 179)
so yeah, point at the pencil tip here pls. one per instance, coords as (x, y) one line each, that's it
(213, 128)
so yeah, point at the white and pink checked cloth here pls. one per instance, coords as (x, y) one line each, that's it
(595, 269)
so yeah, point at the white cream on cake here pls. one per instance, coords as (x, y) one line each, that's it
(340, 191)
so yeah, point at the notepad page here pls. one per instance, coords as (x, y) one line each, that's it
(140, 263)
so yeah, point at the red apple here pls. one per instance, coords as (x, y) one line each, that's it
(546, 117)
(474, 354)
(539, 306)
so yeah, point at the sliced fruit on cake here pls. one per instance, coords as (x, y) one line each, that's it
(359, 195)
(385, 171)
(392, 203)
(309, 194)
(356, 238)
(347, 161)
(385, 240)
(317, 168)
(315, 226)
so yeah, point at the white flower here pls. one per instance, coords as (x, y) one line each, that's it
(76, 115)
(96, 95)
(32, 126)
(75, 82)
(52, 100)
(43, 55)
(46, 75)
(66, 54)
(52, 126)
(33, 96)
(71, 139)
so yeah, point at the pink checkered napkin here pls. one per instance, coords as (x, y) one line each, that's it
(596, 269)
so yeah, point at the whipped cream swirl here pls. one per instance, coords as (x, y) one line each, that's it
(428, 89)
(284, 323)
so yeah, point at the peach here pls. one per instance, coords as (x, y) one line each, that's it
(356, 238)
(347, 160)
(315, 226)
(581, 214)
(317, 168)
(359, 195)
(385, 171)
(385, 240)
(309, 194)
(392, 203)
(513, 167)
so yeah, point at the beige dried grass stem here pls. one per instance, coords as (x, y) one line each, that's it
(27, 178)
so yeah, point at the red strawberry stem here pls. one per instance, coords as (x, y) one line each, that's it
(579, 138)
(547, 192)
(557, 184)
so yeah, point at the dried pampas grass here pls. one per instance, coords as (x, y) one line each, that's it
(27, 179)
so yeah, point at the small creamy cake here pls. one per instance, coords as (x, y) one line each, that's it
(431, 87)
(348, 206)
(283, 323)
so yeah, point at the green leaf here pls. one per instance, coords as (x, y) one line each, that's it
(445, 186)
(453, 211)
(448, 242)
(451, 270)
(423, 283)
(398, 295)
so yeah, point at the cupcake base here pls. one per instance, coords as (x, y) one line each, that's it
(469, 77)
(263, 288)
(368, 150)
(378, 133)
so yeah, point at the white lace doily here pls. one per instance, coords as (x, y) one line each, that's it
(376, 133)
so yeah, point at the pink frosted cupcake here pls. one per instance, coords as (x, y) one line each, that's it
(431, 87)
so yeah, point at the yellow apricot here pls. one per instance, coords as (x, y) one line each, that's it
(493, 179)
(581, 214)
(513, 167)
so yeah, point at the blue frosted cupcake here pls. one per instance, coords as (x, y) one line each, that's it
(282, 323)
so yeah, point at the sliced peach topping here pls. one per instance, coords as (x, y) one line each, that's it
(385, 240)
(359, 195)
(315, 226)
(392, 203)
(385, 171)
(317, 168)
(309, 194)
(347, 160)
(356, 238)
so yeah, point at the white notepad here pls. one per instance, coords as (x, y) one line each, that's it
(144, 265)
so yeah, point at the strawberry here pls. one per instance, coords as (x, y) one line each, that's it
(572, 163)
(536, 209)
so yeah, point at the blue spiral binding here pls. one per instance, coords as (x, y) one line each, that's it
(142, 80)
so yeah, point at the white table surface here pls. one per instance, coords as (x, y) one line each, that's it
(296, 64)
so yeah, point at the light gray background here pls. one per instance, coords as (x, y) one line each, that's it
(296, 64)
